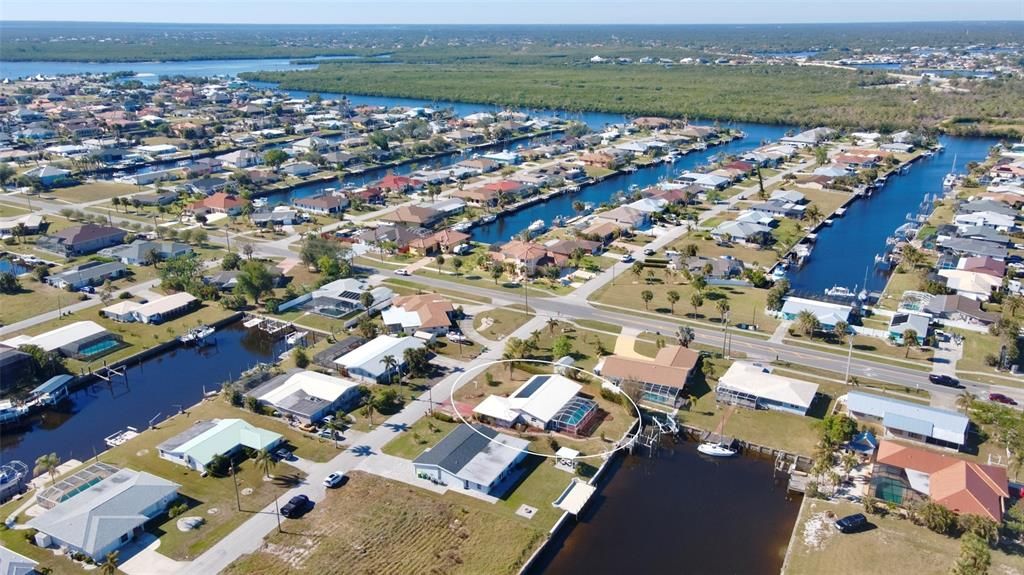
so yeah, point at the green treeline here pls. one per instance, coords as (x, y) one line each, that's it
(801, 96)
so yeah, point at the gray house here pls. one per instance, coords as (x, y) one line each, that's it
(87, 274)
(107, 515)
(84, 239)
(472, 457)
(139, 251)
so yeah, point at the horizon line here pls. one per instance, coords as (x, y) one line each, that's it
(513, 24)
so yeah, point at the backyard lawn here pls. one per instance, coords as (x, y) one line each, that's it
(499, 322)
(708, 248)
(371, 525)
(820, 549)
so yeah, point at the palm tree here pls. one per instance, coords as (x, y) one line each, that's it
(47, 464)
(909, 340)
(723, 308)
(390, 366)
(578, 207)
(673, 297)
(647, 295)
(265, 461)
(808, 322)
(813, 214)
(515, 349)
(848, 461)
(110, 564)
(965, 400)
(696, 300)
(840, 330)
(637, 268)
(552, 324)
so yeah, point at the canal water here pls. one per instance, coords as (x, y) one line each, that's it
(149, 72)
(680, 512)
(156, 388)
(845, 251)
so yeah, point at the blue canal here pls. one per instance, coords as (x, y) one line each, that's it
(154, 389)
(845, 251)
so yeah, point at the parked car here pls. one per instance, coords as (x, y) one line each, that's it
(296, 506)
(648, 252)
(852, 523)
(1000, 398)
(458, 337)
(284, 455)
(944, 380)
(626, 258)
(402, 272)
(334, 479)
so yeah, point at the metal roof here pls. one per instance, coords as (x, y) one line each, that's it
(946, 425)
(473, 457)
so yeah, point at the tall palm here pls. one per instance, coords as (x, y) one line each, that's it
(47, 464)
(965, 400)
(265, 461)
(110, 564)
(552, 324)
(723, 308)
(515, 349)
(391, 366)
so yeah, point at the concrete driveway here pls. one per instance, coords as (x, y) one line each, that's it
(144, 559)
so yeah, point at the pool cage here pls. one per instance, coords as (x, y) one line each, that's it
(72, 485)
(575, 416)
(915, 300)
(891, 484)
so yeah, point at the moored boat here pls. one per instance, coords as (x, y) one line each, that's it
(716, 449)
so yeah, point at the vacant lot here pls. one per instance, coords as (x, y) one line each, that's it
(92, 191)
(373, 526)
(497, 323)
(819, 549)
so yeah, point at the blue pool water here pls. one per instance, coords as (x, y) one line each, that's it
(10, 266)
(98, 348)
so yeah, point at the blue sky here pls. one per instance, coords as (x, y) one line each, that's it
(509, 11)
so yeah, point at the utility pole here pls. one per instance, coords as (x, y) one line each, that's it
(725, 333)
(277, 508)
(234, 477)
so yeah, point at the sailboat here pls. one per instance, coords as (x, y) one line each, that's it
(716, 449)
(950, 180)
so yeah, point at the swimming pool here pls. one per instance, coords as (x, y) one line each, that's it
(98, 348)
(888, 489)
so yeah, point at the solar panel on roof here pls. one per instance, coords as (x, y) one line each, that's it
(350, 295)
(533, 386)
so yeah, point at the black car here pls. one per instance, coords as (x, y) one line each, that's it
(296, 506)
(852, 523)
(944, 380)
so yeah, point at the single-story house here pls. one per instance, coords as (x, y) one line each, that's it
(905, 474)
(196, 447)
(902, 321)
(276, 217)
(755, 386)
(167, 307)
(959, 308)
(549, 402)
(87, 274)
(975, 285)
(12, 563)
(828, 314)
(323, 205)
(325, 358)
(416, 215)
(219, 202)
(105, 516)
(307, 396)
(908, 420)
(83, 239)
(745, 232)
(48, 175)
(662, 379)
(299, 169)
(427, 312)
(208, 186)
(140, 252)
(85, 339)
(341, 297)
(366, 362)
(472, 457)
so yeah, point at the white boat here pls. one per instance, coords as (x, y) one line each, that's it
(536, 226)
(949, 181)
(259, 203)
(839, 291)
(10, 412)
(462, 226)
(488, 218)
(198, 335)
(715, 449)
(296, 337)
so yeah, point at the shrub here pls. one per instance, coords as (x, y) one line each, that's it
(610, 395)
(301, 357)
(442, 416)
(176, 510)
(991, 359)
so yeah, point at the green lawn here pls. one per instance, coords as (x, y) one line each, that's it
(92, 191)
(503, 321)
(708, 248)
(898, 283)
(33, 299)
(9, 211)
(423, 434)
(893, 546)
(537, 287)
(406, 287)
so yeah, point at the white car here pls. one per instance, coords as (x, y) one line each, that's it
(335, 479)
(626, 258)
(457, 337)
(402, 272)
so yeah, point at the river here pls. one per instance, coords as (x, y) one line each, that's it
(680, 512)
(845, 251)
(76, 427)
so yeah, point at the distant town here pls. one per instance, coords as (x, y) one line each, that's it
(253, 329)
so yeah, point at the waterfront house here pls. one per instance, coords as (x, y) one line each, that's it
(366, 362)
(279, 216)
(958, 308)
(81, 339)
(909, 420)
(307, 396)
(808, 138)
(322, 205)
(428, 312)
(48, 176)
(83, 239)
(479, 165)
(780, 208)
(12, 563)
(402, 184)
(603, 231)
(987, 206)
(441, 241)
(106, 515)
(626, 217)
(142, 252)
(473, 458)
(240, 159)
(975, 285)
(156, 198)
(828, 314)
(706, 182)
(165, 308)
(341, 298)
(325, 358)
(198, 445)
(754, 386)
(209, 186)
(905, 475)
(983, 265)
(661, 379)
(567, 248)
(721, 268)
(528, 257)
(986, 219)
(789, 196)
(548, 402)
(902, 321)
(88, 274)
(299, 169)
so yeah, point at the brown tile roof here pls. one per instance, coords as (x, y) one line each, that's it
(413, 214)
(960, 486)
(434, 310)
(671, 367)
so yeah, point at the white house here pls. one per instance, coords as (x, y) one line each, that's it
(755, 386)
(472, 457)
(548, 402)
(308, 396)
(198, 445)
(366, 362)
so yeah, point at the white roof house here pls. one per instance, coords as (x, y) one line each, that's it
(755, 385)
(160, 309)
(67, 339)
(540, 402)
(829, 314)
(476, 458)
(366, 362)
(910, 420)
(308, 395)
(12, 563)
(974, 285)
